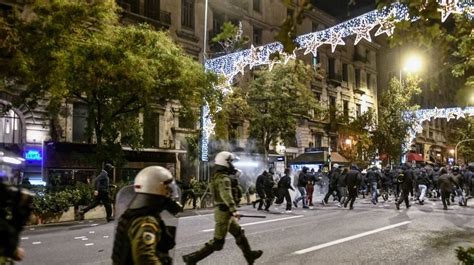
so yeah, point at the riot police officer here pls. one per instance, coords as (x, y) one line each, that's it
(141, 236)
(225, 214)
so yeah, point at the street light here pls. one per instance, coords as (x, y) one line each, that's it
(412, 64)
(456, 149)
(348, 141)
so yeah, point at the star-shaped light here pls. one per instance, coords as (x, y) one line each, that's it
(447, 7)
(272, 64)
(313, 46)
(386, 27)
(240, 66)
(253, 58)
(287, 57)
(335, 39)
(363, 31)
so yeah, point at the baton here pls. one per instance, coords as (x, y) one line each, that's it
(253, 216)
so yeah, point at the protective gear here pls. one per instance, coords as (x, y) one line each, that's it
(208, 249)
(225, 159)
(335, 165)
(244, 245)
(154, 180)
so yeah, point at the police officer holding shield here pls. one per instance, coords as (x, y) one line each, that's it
(141, 236)
(225, 214)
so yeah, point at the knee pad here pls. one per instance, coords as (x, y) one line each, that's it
(218, 244)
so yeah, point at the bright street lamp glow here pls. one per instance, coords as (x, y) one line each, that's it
(412, 64)
(451, 151)
(348, 141)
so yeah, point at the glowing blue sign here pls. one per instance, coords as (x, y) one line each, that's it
(33, 155)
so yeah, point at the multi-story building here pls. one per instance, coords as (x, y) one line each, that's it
(349, 84)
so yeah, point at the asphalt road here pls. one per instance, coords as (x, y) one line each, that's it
(323, 235)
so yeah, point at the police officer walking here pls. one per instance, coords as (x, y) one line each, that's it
(141, 236)
(225, 214)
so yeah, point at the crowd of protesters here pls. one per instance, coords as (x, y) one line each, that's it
(405, 184)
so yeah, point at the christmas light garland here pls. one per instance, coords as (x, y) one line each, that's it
(232, 64)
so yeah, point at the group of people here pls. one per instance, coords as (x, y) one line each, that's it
(345, 184)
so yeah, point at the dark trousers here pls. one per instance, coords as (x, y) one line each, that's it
(330, 192)
(352, 196)
(261, 198)
(445, 198)
(284, 194)
(103, 198)
(269, 199)
(404, 197)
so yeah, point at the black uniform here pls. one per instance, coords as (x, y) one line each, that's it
(406, 184)
(101, 184)
(283, 185)
(260, 187)
(333, 177)
(353, 179)
(268, 189)
(445, 183)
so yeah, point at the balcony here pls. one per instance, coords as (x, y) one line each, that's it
(360, 58)
(160, 20)
(334, 79)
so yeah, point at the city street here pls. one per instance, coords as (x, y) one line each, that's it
(324, 235)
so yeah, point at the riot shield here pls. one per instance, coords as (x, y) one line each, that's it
(124, 196)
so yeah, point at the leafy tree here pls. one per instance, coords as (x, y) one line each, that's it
(394, 118)
(272, 103)
(358, 130)
(77, 51)
(230, 38)
(451, 40)
(288, 30)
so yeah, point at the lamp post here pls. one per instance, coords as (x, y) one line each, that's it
(456, 149)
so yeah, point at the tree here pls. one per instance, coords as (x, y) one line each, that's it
(230, 38)
(77, 51)
(272, 103)
(395, 118)
(451, 41)
(358, 131)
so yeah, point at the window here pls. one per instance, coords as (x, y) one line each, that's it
(257, 5)
(346, 109)
(345, 72)
(332, 68)
(431, 135)
(152, 9)
(357, 77)
(187, 14)
(318, 140)
(314, 26)
(358, 110)
(257, 36)
(369, 85)
(332, 102)
(79, 122)
(333, 144)
(134, 6)
(151, 129)
(11, 124)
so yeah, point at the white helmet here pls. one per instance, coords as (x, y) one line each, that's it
(335, 165)
(225, 159)
(154, 180)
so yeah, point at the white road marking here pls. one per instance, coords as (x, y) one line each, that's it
(342, 240)
(91, 232)
(32, 229)
(36, 243)
(25, 238)
(89, 244)
(186, 217)
(85, 238)
(79, 237)
(262, 222)
(106, 236)
(94, 224)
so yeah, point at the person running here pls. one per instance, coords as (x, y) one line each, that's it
(423, 182)
(333, 176)
(101, 193)
(301, 186)
(353, 179)
(406, 183)
(284, 185)
(445, 183)
(260, 187)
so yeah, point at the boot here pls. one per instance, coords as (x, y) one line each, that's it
(249, 255)
(193, 258)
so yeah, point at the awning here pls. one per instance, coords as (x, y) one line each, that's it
(318, 158)
(337, 158)
(414, 157)
(309, 158)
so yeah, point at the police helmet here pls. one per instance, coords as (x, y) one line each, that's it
(155, 180)
(225, 159)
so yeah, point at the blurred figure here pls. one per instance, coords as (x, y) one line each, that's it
(101, 193)
(333, 177)
(284, 185)
(188, 191)
(423, 183)
(260, 188)
(469, 182)
(301, 186)
(268, 185)
(445, 182)
(353, 179)
(405, 179)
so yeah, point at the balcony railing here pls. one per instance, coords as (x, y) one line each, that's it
(158, 20)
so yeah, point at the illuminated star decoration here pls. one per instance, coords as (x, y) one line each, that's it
(335, 39)
(447, 7)
(386, 27)
(313, 46)
(287, 57)
(363, 31)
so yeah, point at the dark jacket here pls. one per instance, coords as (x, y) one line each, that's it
(446, 182)
(373, 176)
(353, 178)
(101, 182)
(334, 176)
(341, 180)
(260, 183)
(285, 183)
(302, 179)
(407, 179)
